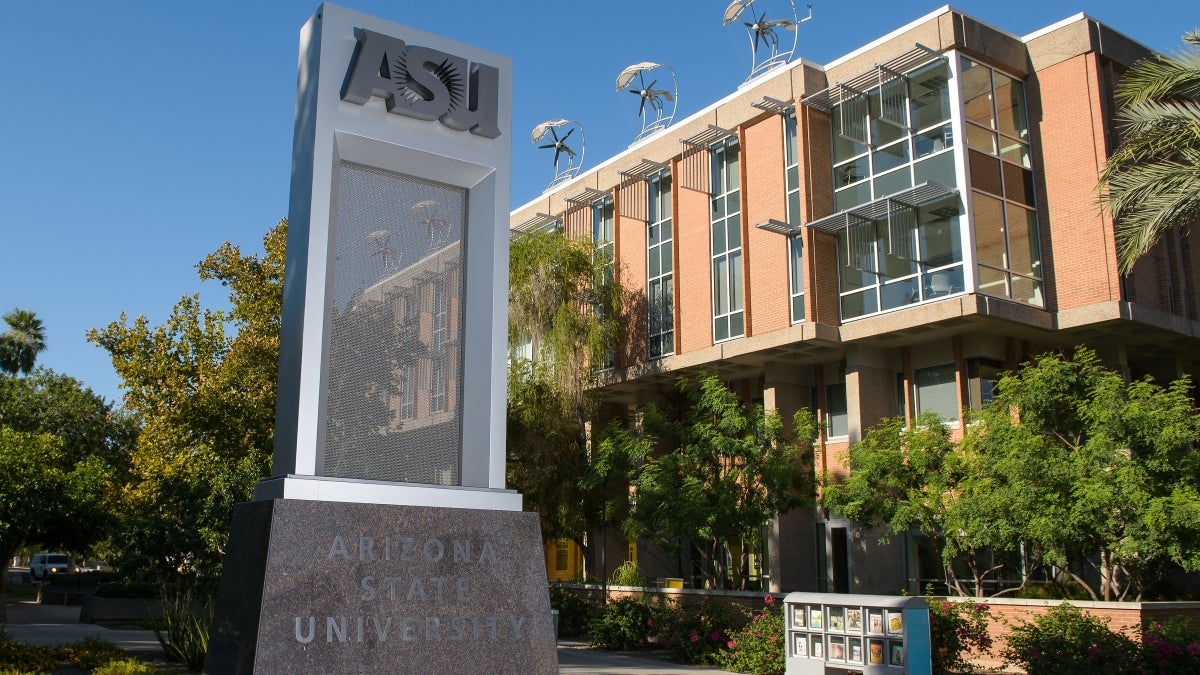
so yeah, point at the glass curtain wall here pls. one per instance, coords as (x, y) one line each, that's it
(1007, 248)
(891, 137)
(603, 253)
(729, 319)
(795, 243)
(660, 267)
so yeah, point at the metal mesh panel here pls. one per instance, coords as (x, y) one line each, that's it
(853, 116)
(902, 225)
(893, 97)
(394, 379)
(860, 242)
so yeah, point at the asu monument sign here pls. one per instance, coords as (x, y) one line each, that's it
(385, 540)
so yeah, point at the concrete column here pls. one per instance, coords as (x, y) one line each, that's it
(791, 559)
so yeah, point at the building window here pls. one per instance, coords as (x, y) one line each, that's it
(439, 377)
(408, 393)
(1007, 249)
(837, 419)
(562, 555)
(660, 267)
(792, 178)
(937, 391)
(982, 375)
(603, 255)
(729, 319)
(887, 139)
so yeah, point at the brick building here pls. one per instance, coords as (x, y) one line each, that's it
(881, 236)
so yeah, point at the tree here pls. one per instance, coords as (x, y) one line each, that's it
(22, 342)
(1096, 470)
(726, 469)
(203, 384)
(1151, 183)
(913, 478)
(564, 302)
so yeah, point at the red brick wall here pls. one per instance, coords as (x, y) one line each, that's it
(693, 268)
(766, 253)
(1067, 115)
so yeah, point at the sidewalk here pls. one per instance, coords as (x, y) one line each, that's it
(36, 624)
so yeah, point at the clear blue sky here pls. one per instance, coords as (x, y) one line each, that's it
(137, 136)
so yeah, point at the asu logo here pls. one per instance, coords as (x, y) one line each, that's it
(424, 83)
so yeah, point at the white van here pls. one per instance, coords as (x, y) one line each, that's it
(48, 563)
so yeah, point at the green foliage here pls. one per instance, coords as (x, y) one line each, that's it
(22, 342)
(758, 647)
(203, 384)
(20, 658)
(556, 287)
(127, 666)
(696, 634)
(1151, 183)
(955, 630)
(716, 475)
(1173, 647)
(1065, 641)
(91, 653)
(622, 625)
(128, 589)
(575, 612)
(187, 615)
(627, 574)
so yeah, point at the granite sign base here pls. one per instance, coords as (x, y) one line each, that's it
(330, 587)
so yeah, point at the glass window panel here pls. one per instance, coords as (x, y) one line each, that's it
(1015, 151)
(939, 239)
(1018, 184)
(848, 198)
(1028, 290)
(934, 140)
(735, 284)
(836, 417)
(794, 207)
(1010, 106)
(985, 173)
(734, 227)
(668, 309)
(977, 92)
(853, 278)
(899, 293)
(859, 304)
(895, 268)
(655, 262)
(721, 328)
(793, 177)
(890, 157)
(668, 263)
(797, 308)
(732, 174)
(882, 132)
(737, 326)
(1024, 252)
(718, 239)
(721, 285)
(989, 229)
(852, 171)
(796, 268)
(937, 391)
(929, 95)
(718, 207)
(942, 282)
(981, 139)
(844, 148)
(891, 183)
(939, 169)
(653, 232)
(993, 281)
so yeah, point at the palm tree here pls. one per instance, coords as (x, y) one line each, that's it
(1151, 183)
(21, 344)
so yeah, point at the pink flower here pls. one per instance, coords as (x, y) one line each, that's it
(769, 599)
(715, 636)
(649, 622)
(731, 644)
(693, 636)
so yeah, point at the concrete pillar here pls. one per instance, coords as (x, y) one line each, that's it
(791, 560)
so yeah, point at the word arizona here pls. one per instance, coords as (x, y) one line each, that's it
(412, 628)
(412, 549)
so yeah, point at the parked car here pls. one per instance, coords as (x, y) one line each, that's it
(49, 563)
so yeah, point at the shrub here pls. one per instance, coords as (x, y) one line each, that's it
(696, 634)
(186, 618)
(1065, 641)
(23, 658)
(622, 625)
(758, 647)
(956, 629)
(128, 589)
(575, 612)
(628, 574)
(1170, 648)
(127, 667)
(91, 653)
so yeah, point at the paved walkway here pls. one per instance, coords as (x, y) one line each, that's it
(55, 624)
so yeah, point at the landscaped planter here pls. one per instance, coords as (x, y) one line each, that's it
(120, 610)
